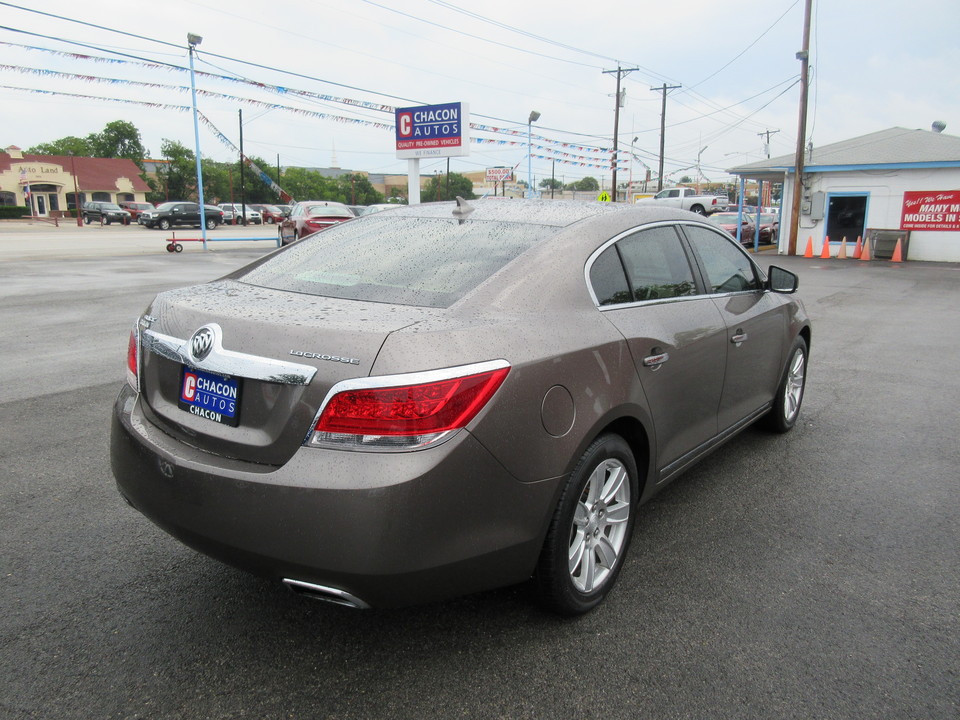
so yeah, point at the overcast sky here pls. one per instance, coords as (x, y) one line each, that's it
(875, 64)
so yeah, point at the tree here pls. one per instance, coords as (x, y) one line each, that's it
(686, 179)
(69, 145)
(305, 184)
(178, 177)
(551, 184)
(119, 139)
(587, 184)
(358, 191)
(436, 188)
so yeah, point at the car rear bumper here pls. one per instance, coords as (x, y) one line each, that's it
(387, 528)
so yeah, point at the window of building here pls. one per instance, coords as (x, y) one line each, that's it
(8, 198)
(102, 197)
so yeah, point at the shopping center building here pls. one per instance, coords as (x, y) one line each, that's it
(50, 185)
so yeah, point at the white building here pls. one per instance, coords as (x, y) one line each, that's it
(896, 183)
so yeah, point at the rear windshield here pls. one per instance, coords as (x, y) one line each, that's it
(429, 262)
(326, 211)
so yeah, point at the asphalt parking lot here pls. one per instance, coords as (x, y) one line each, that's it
(811, 575)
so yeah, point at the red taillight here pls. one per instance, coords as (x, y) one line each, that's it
(420, 411)
(133, 364)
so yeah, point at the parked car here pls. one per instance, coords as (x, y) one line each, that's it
(135, 208)
(270, 214)
(104, 212)
(242, 215)
(728, 221)
(447, 398)
(378, 207)
(688, 199)
(310, 217)
(172, 214)
(769, 228)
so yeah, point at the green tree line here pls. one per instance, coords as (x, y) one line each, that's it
(176, 179)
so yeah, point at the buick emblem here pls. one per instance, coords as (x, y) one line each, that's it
(201, 343)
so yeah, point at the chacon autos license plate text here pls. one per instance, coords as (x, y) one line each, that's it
(215, 397)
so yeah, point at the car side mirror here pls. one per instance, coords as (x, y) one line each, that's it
(782, 281)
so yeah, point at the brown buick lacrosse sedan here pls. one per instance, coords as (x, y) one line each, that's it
(452, 397)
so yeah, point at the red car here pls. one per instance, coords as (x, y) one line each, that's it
(271, 214)
(312, 216)
(135, 208)
(728, 221)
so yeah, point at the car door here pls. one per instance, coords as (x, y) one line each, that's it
(189, 214)
(756, 324)
(644, 283)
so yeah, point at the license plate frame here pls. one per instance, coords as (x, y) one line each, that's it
(211, 396)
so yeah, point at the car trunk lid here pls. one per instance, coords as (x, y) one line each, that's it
(240, 371)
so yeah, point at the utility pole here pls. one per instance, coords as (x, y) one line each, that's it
(663, 127)
(618, 103)
(766, 143)
(804, 57)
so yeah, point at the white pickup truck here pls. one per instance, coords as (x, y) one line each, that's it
(687, 199)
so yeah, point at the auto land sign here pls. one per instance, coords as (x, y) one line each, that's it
(433, 131)
(931, 210)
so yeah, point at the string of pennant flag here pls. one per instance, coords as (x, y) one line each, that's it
(559, 152)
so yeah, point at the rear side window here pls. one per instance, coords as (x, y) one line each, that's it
(647, 265)
(727, 267)
(608, 280)
(429, 262)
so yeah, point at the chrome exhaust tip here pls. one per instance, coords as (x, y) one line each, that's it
(327, 594)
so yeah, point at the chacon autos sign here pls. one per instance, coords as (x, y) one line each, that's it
(931, 210)
(433, 131)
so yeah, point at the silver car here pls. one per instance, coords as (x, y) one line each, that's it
(446, 398)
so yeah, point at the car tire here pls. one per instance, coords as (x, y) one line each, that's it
(270, 221)
(164, 224)
(86, 219)
(698, 209)
(211, 224)
(786, 403)
(588, 537)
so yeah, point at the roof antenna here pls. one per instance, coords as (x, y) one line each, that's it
(463, 207)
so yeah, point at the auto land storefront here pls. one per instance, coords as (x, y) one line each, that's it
(50, 185)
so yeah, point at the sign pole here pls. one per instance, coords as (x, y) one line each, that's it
(413, 181)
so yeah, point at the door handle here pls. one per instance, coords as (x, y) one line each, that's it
(655, 361)
(738, 337)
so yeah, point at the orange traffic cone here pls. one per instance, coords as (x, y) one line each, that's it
(809, 251)
(825, 252)
(858, 249)
(865, 255)
(842, 254)
(898, 251)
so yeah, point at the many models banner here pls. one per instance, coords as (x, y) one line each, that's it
(931, 210)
